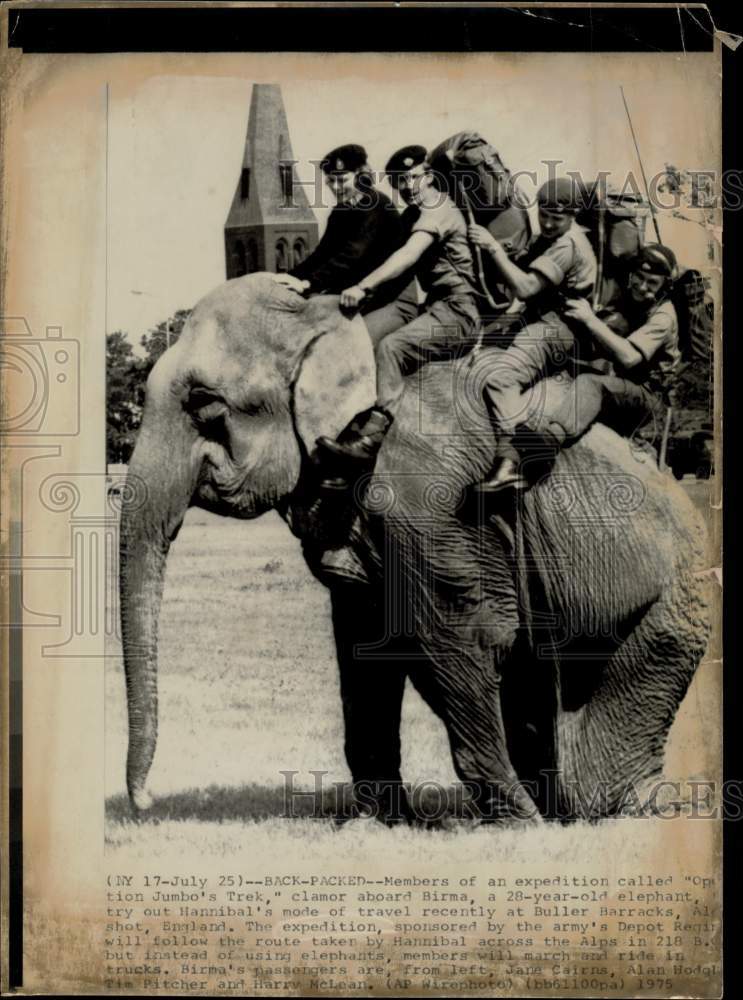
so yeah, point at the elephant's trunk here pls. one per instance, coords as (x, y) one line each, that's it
(142, 575)
(159, 487)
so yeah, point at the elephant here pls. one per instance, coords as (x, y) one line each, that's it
(559, 643)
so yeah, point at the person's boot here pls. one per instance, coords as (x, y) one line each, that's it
(344, 565)
(360, 443)
(357, 445)
(357, 561)
(505, 475)
(526, 442)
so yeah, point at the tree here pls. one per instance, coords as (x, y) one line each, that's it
(693, 391)
(124, 376)
(692, 398)
(692, 189)
(163, 336)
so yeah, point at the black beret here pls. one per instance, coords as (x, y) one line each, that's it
(657, 259)
(561, 194)
(405, 158)
(344, 158)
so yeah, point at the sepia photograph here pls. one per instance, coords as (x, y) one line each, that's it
(363, 468)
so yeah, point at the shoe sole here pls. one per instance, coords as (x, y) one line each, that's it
(517, 485)
(335, 486)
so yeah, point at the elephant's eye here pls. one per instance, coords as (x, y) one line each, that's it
(253, 408)
(205, 405)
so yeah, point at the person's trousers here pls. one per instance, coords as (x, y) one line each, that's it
(536, 351)
(623, 405)
(386, 319)
(443, 329)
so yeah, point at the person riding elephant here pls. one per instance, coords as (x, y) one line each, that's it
(363, 229)
(637, 345)
(558, 266)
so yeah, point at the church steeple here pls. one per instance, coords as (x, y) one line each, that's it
(270, 225)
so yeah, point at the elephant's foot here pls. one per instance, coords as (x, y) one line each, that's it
(386, 802)
(648, 797)
(499, 802)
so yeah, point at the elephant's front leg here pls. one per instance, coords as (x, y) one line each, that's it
(471, 679)
(468, 631)
(372, 683)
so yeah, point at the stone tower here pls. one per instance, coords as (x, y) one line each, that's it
(270, 225)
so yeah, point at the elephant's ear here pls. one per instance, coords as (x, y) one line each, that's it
(336, 377)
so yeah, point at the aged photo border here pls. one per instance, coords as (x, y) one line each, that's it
(184, 27)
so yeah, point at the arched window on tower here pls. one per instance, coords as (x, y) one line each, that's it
(251, 258)
(300, 251)
(238, 258)
(282, 264)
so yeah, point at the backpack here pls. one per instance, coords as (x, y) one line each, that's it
(472, 173)
(619, 221)
(615, 226)
(623, 216)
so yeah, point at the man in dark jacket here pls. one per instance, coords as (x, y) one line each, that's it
(363, 229)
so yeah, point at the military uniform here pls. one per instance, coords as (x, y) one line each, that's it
(445, 272)
(626, 399)
(358, 238)
(568, 265)
(383, 319)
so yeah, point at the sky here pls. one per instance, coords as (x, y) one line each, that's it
(175, 130)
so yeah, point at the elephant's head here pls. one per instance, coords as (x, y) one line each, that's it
(259, 372)
(232, 410)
